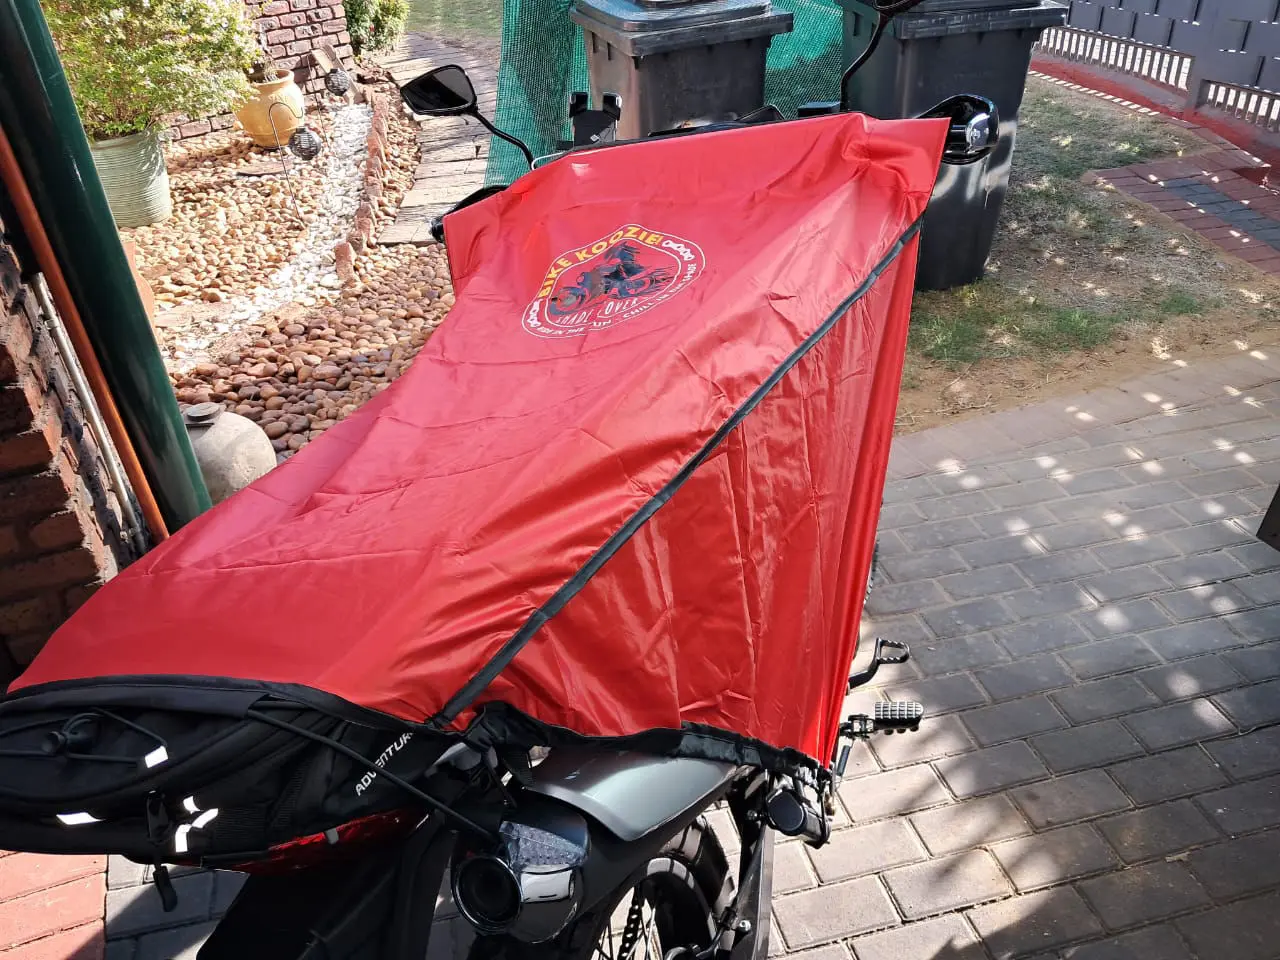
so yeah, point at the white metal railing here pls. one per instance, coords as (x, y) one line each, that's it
(1160, 65)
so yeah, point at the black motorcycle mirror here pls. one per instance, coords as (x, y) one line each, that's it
(448, 92)
(975, 128)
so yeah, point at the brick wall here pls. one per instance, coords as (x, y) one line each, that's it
(56, 515)
(292, 29)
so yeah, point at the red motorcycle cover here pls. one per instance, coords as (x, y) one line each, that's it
(631, 485)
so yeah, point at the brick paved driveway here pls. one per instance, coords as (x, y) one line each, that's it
(1097, 637)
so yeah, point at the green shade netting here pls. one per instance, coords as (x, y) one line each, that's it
(544, 60)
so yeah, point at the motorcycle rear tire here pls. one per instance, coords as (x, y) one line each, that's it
(683, 881)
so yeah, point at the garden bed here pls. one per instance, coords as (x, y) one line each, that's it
(292, 322)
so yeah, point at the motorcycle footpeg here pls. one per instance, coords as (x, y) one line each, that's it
(887, 716)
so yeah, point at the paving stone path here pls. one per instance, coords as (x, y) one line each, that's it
(453, 150)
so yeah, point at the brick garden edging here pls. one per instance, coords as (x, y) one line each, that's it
(370, 209)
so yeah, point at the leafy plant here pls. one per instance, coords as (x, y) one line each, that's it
(375, 24)
(131, 63)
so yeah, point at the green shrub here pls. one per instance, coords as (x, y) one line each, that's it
(375, 24)
(131, 63)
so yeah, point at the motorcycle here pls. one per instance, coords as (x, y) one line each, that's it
(562, 789)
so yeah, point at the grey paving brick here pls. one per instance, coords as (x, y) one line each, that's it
(1204, 509)
(1074, 534)
(832, 951)
(1131, 616)
(926, 563)
(121, 950)
(226, 886)
(1024, 676)
(1191, 678)
(1204, 537)
(1235, 867)
(1053, 857)
(1103, 699)
(857, 851)
(894, 515)
(886, 599)
(1013, 720)
(1034, 921)
(940, 694)
(937, 737)
(1041, 636)
(791, 869)
(180, 944)
(122, 872)
(1165, 776)
(834, 911)
(1192, 639)
(892, 793)
(1150, 943)
(947, 883)
(990, 770)
(1049, 599)
(1095, 481)
(1249, 755)
(907, 629)
(990, 551)
(1092, 745)
(1262, 624)
(1220, 481)
(957, 653)
(1245, 930)
(1104, 657)
(1124, 584)
(972, 616)
(946, 936)
(1143, 894)
(1257, 662)
(1245, 806)
(1256, 557)
(1026, 493)
(135, 910)
(1159, 831)
(1260, 590)
(1151, 520)
(971, 823)
(1129, 553)
(1201, 568)
(913, 488)
(940, 533)
(1251, 706)
(956, 505)
(984, 582)
(1017, 522)
(1080, 796)
(1146, 494)
(1058, 567)
(1191, 721)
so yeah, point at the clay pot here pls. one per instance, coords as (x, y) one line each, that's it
(279, 101)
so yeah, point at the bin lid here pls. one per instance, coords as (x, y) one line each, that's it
(643, 16)
(940, 18)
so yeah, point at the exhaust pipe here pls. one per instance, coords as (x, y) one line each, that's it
(531, 886)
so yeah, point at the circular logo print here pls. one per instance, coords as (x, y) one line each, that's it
(605, 283)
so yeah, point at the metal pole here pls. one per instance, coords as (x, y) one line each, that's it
(115, 470)
(39, 117)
